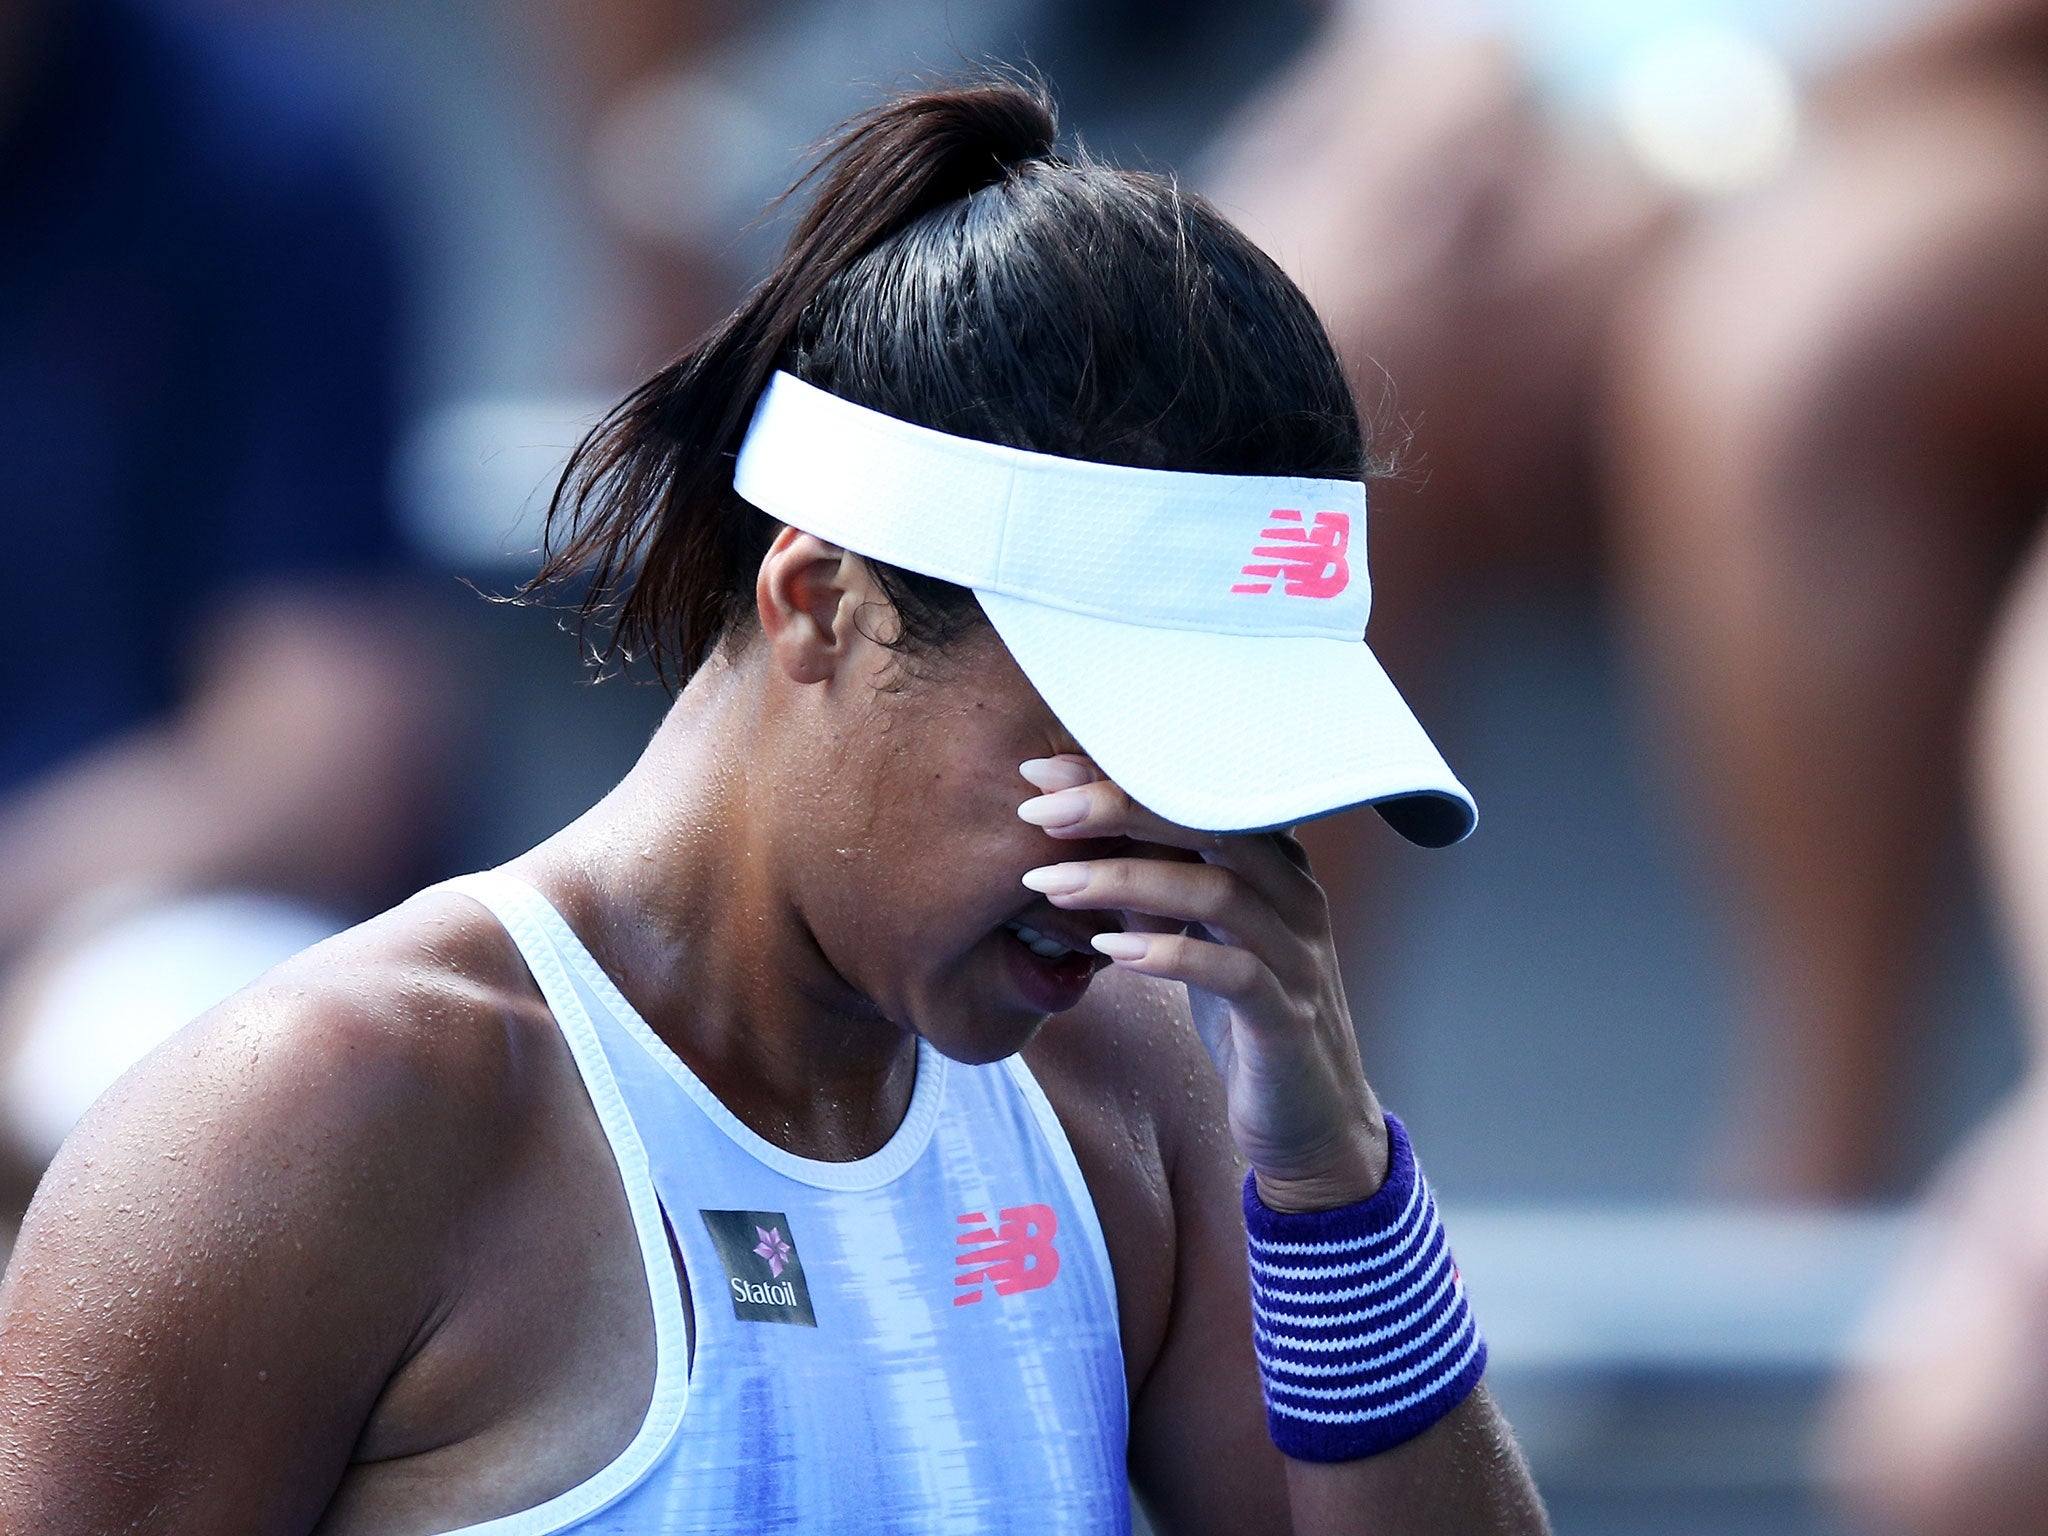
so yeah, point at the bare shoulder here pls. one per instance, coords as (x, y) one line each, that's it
(1126, 1070)
(260, 1223)
(395, 1041)
(1143, 1107)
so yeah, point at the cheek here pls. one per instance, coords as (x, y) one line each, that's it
(938, 839)
(955, 842)
(960, 833)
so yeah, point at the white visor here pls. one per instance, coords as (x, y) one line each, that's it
(1202, 636)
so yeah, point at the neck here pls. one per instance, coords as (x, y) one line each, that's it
(678, 882)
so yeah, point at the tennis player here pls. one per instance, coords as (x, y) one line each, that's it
(921, 1096)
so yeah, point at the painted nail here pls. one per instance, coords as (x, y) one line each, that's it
(1061, 809)
(1050, 774)
(1056, 879)
(1122, 946)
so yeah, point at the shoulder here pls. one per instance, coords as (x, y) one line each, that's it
(1143, 1108)
(258, 1227)
(1127, 1068)
(421, 1009)
(343, 1113)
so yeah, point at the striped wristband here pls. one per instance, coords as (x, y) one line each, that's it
(1359, 1317)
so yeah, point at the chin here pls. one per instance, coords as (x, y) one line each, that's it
(978, 1041)
(992, 1006)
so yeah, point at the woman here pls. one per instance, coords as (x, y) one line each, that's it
(684, 1175)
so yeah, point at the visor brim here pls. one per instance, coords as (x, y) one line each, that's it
(1237, 733)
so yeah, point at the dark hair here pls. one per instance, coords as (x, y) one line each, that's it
(955, 272)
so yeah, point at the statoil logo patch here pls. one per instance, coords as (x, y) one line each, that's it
(1015, 1254)
(762, 1270)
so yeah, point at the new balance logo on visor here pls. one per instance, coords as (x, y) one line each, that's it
(1015, 1255)
(1309, 560)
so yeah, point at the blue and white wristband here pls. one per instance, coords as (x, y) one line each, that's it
(1359, 1317)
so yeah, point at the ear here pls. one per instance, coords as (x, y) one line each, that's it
(809, 595)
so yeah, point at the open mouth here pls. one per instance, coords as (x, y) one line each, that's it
(1043, 945)
(1049, 969)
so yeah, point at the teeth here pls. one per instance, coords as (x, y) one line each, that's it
(1045, 948)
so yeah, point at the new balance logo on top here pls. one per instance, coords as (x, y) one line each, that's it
(1309, 560)
(1016, 1255)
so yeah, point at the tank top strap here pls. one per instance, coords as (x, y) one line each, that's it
(532, 922)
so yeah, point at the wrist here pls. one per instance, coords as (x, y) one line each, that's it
(1359, 1320)
(1348, 1174)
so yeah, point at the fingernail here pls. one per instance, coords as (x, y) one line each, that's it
(1122, 946)
(1054, 773)
(1056, 810)
(1056, 879)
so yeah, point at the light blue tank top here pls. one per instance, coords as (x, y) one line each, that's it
(924, 1340)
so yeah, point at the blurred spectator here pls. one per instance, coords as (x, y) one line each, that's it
(1802, 416)
(213, 685)
(1463, 243)
(1944, 1430)
(699, 114)
(1832, 448)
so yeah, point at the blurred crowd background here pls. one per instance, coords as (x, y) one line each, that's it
(1713, 339)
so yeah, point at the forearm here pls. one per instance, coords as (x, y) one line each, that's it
(1365, 1350)
(299, 764)
(126, 815)
(1390, 1290)
(1465, 1475)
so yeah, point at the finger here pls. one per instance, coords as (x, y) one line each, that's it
(1098, 808)
(1101, 809)
(1291, 849)
(1073, 770)
(1208, 894)
(1236, 975)
(1145, 922)
(1069, 770)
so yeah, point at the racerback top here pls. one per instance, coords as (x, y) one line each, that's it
(923, 1340)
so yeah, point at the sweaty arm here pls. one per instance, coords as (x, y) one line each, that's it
(226, 1263)
(1200, 1454)
(1241, 924)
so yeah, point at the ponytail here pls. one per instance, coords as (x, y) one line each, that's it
(646, 504)
(952, 272)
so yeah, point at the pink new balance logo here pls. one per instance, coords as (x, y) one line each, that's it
(1017, 1255)
(1309, 559)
